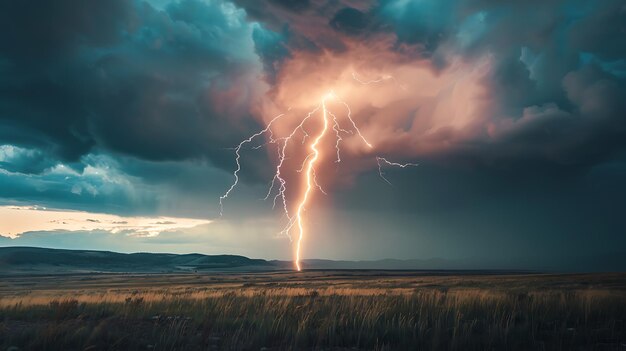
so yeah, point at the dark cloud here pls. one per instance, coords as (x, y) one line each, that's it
(99, 187)
(36, 32)
(305, 25)
(177, 83)
(130, 186)
(425, 23)
(274, 12)
(272, 48)
(602, 32)
(39, 42)
(294, 5)
(25, 161)
(555, 91)
(351, 21)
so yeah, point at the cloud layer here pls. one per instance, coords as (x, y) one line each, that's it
(482, 80)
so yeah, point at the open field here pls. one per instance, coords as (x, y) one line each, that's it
(380, 310)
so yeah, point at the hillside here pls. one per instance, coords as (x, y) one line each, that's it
(35, 260)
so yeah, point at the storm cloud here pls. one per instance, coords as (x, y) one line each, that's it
(168, 84)
(513, 84)
(187, 79)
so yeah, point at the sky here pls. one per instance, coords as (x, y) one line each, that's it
(119, 123)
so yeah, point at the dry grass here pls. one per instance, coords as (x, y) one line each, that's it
(324, 311)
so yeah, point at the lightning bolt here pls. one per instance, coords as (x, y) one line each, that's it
(297, 138)
(310, 178)
(381, 160)
(383, 78)
(238, 157)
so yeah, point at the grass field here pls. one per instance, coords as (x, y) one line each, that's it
(333, 310)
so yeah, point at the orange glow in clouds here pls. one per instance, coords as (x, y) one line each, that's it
(297, 138)
(405, 109)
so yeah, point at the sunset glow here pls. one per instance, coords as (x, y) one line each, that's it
(37, 219)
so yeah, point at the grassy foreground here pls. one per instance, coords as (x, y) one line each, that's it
(321, 311)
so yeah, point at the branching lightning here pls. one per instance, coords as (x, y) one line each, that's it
(238, 157)
(326, 123)
(381, 160)
(382, 79)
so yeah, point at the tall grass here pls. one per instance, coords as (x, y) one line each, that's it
(250, 317)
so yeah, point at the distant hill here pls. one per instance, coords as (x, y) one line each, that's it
(33, 260)
(42, 260)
